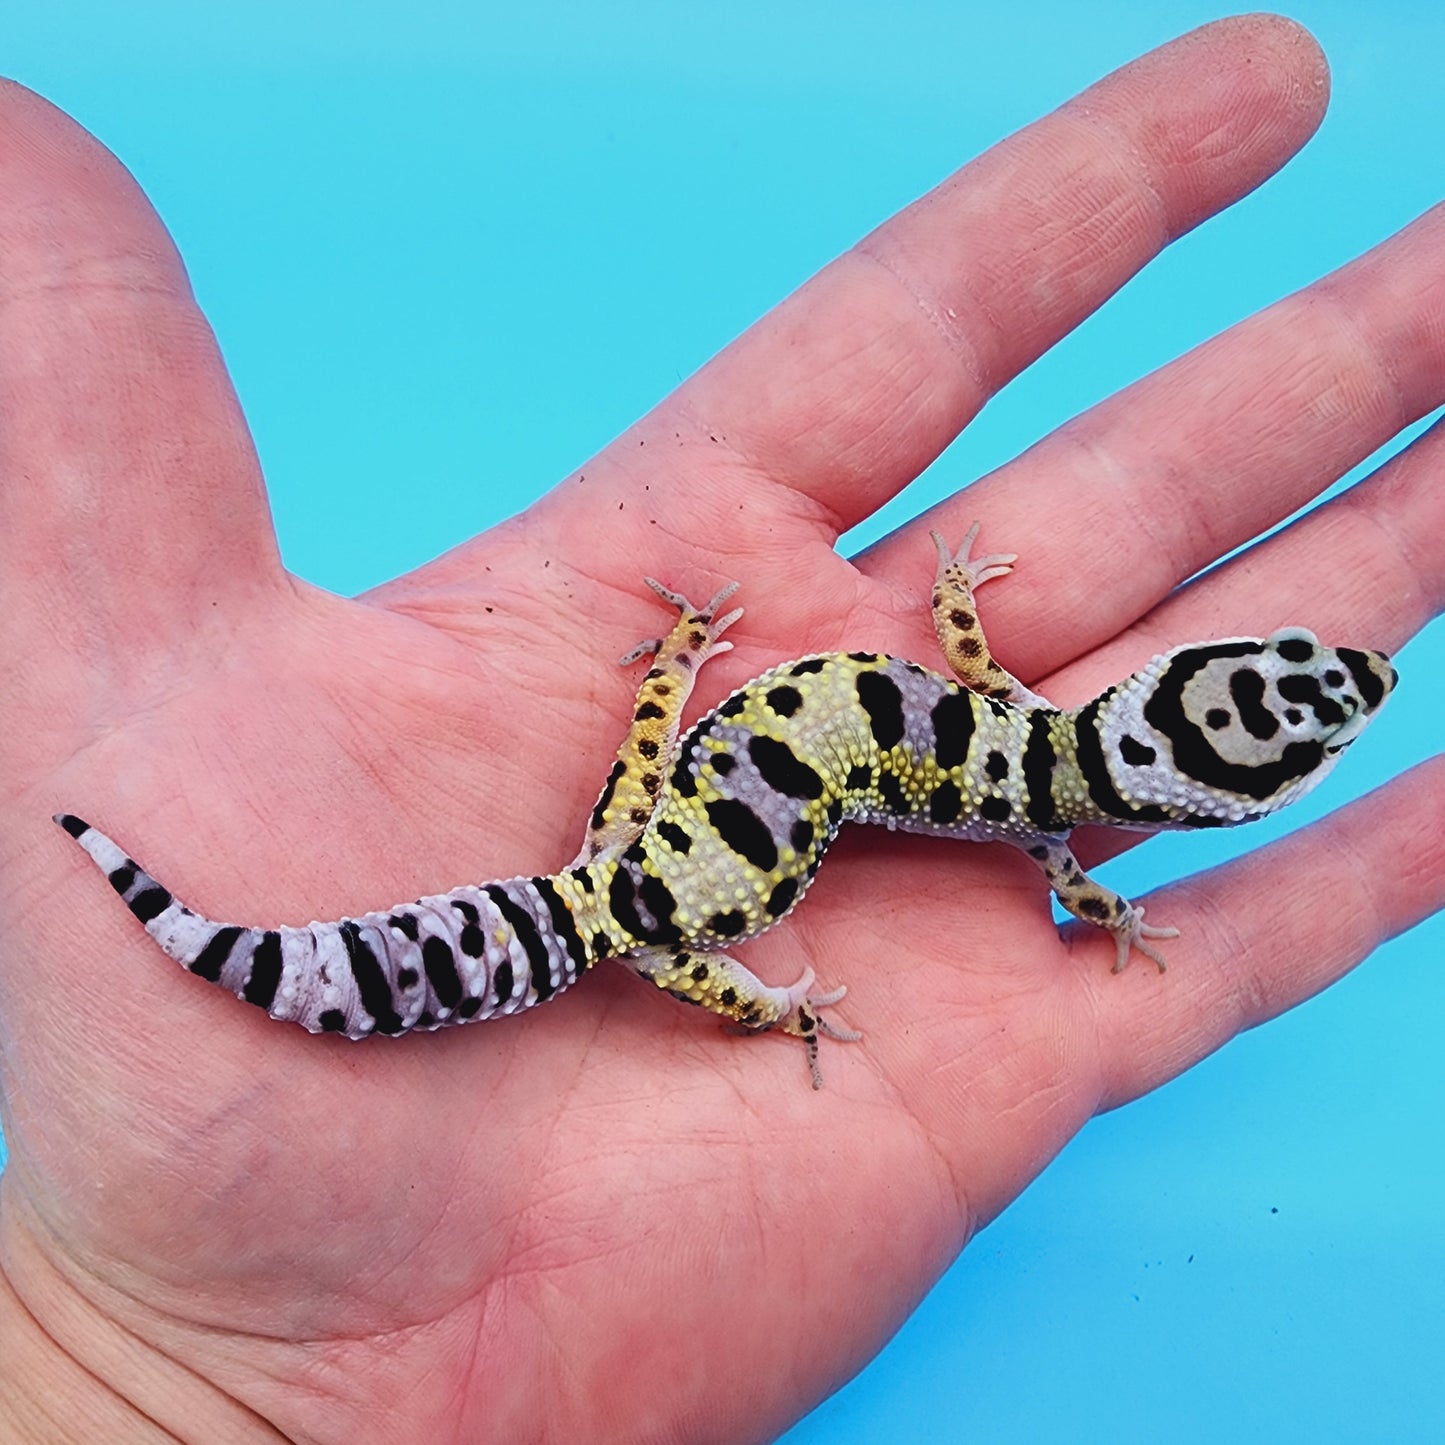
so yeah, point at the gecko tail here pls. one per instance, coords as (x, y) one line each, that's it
(248, 961)
(469, 954)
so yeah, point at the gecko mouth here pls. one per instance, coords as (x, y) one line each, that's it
(1347, 731)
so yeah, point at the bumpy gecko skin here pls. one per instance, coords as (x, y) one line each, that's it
(696, 847)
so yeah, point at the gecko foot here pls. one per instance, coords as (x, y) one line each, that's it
(976, 570)
(706, 616)
(1131, 931)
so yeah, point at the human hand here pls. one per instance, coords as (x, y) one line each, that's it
(553, 1223)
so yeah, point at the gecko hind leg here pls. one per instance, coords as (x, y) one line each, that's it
(721, 984)
(646, 754)
(1093, 903)
(955, 620)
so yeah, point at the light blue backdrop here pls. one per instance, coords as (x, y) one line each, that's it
(450, 251)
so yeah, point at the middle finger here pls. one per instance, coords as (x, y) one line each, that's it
(1114, 509)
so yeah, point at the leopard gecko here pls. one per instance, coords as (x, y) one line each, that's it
(696, 847)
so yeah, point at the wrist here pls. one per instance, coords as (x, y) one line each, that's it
(47, 1396)
(70, 1372)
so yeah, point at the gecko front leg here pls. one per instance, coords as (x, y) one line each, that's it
(1092, 902)
(642, 762)
(955, 620)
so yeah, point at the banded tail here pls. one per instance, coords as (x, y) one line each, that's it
(447, 959)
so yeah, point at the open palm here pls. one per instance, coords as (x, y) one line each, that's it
(603, 1219)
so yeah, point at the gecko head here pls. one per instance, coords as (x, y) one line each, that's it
(1249, 724)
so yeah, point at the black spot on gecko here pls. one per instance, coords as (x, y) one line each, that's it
(647, 747)
(723, 763)
(150, 903)
(802, 836)
(563, 924)
(996, 766)
(584, 877)
(332, 1020)
(441, 971)
(469, 1007)
(473, 941)
(639, 815)
(72, 825)
(996, 810)
(405, 924)
(662, 905)
(647, 712)
(265, 977)
(674, 837)
(964, 621)
(1246, 687)
(882, 701)
(946, 803)
(1217, 718)
(744, 832)
(503, 982)
(782, 770)
(1140, 755)
(859, 779)
(1334, 678)
(1094, 908)
(525, 927)
(122, 878)
(1039, 761)
(212, 958)
(727, 925)
(891, 791)
(1293, 716)
(650, 783)
(784, 701)
(467, 910)
(781, 898)
(618, 768)
(371, 981)
(407, 978)
(864, 656)
(808, 664)
(953, 725)
(734, 705)
(1296, 649)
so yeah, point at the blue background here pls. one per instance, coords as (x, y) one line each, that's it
(450, 251)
